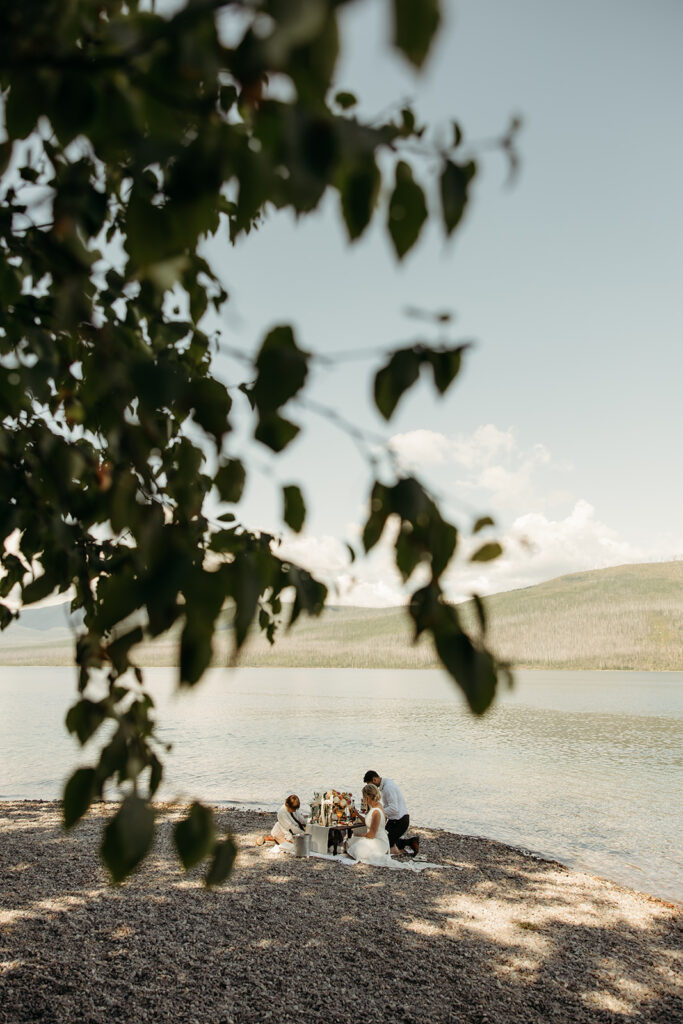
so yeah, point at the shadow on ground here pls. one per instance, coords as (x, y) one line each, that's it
(492, 936)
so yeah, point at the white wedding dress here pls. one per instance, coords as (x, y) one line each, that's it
(372, 851)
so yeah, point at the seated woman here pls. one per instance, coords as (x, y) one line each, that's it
(373, 847)
(289, 823)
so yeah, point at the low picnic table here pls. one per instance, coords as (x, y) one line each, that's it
(324, 836)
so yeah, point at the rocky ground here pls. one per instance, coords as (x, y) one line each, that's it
(495, 935)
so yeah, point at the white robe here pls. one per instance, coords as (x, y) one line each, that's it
(288, 825)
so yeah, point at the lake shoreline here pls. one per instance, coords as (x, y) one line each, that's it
(493, 935)
(515, 775)
(267, 810)
(8, 661)
(264, 809)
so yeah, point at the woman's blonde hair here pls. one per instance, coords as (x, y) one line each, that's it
(371, 792)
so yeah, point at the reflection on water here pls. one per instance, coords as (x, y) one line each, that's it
(582, 766)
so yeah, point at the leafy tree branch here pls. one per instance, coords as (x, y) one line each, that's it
(131, 138)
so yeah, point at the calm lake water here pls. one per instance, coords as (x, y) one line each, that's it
(581, 766)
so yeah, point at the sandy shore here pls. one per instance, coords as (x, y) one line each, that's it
(495, 935)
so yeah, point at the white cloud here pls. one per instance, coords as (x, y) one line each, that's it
(489, 464)
(495, 473)
(424, 447)
(538, 548)
(370, 582)
(322, 556)
(368, 593)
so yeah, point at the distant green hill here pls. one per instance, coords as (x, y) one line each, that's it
(628, 617)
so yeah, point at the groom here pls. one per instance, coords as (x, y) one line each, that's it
(396, 811)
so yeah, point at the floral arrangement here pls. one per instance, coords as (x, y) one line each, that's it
(333, 807)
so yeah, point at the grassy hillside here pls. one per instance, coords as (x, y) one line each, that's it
(629, 617)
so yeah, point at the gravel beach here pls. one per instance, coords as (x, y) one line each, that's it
(495, 935)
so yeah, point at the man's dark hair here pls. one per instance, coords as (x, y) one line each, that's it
(369, 776)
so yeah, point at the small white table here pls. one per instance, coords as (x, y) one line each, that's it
(320, 835)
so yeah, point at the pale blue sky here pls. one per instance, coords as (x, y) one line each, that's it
(570, 280)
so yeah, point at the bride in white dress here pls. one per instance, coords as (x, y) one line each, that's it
(373, 847)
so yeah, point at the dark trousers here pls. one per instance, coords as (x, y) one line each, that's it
(397, 827)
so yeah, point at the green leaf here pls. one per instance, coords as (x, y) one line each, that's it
(441, 539)
(79, 793)
(415, 26)
(487, 552)
(394, 379)
(227, 97)
(380, 510)
(127, 837)
(230, 479)
(23, 106)
(359, 189)
(428, 612)
(245, 585)
(410, 500)
(84, 718)
(74, 106)
(246, 390)
(282, 368)
(481, 523)
(407, 210)
(294, 510)
(446, 365)
(156, 774)
(345, 100)
(408, 552)
(14, 571)
(275, 432)
(196, 652)
(226, 541)
(408, 121)
(113, 758)
(481, 612)
(118, 649)
(212, 404)
(223, 859)
(118, 596)
(454, 185)
(195, 835)
(473, 670)
(10, 284)
(425, 535)
(156, 234)
(310, 594)
(5, 154)
(199, 300)
(39, 588)
(7, 616)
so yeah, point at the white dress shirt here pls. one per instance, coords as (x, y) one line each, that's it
(392, 800)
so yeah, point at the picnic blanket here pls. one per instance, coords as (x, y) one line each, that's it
(415, 864)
